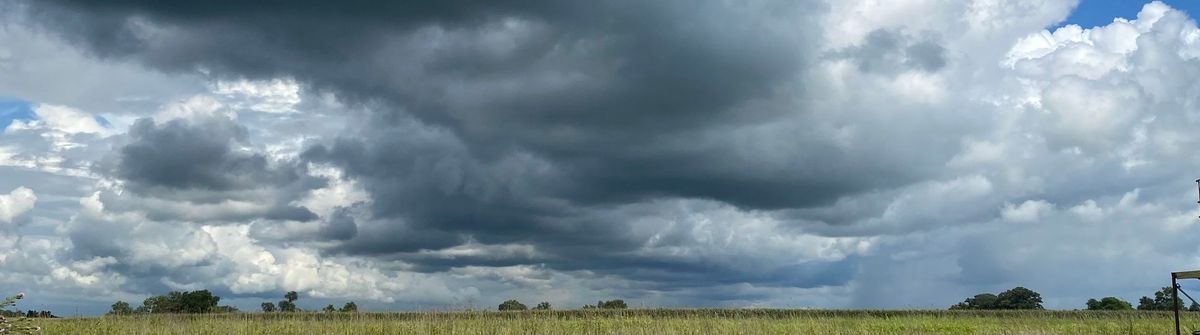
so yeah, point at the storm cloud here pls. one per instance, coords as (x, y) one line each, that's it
(789, 153)
(501, 123)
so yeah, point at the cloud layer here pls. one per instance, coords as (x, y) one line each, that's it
(671, 153)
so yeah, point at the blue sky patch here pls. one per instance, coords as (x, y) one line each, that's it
(1093, 13)
(102, 121)
(14, 109)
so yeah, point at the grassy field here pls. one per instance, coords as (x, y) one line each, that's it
(703, 321)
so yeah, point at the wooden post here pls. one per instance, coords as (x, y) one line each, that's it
(1175, 300)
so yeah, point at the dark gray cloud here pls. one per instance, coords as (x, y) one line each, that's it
(522, 124)
(199, 162)
(508, 123)
(673, 153)
(610, 90)
(181, 156)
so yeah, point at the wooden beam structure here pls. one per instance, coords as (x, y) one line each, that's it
(1186, 274)
(1175, 305)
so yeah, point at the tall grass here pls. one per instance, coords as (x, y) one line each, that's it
(640, 321)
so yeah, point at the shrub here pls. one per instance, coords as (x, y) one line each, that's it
(542, 306)
(349, 307)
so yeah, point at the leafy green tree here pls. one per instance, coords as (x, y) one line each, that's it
(121, 308)
(1108, 304)
(329, 309)
(268, 307)
(542, 306)
(349, 307)
(512, 305)
(979, 301)
(1019, 298)
(289, 304)
(201, 301)
(1162, 301)
(161, 304)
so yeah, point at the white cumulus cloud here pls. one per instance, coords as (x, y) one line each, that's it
(17, 202)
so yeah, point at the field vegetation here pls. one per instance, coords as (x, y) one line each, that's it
(638, 321)
(1015, 311)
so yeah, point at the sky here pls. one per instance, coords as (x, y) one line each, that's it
(1094, 13)
(433, 155)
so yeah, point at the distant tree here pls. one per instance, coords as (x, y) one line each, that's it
(1108, 304)
(329, 309)
(289, 304)
(349, 307)
(979, 301)
(268, 307)
(121, 308)
(160, 304)
(1015, 298)
(612, 304)
(1164, 304)
(1146, 304)
(224, 309)
(512, 305)
(542, 306)
(1019, 298)
(201, 301)
(590, 307)
(1162, 301)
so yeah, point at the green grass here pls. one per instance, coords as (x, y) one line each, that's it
(643, 321)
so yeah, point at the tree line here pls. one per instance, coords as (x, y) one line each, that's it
(514, 305)
(181, 302)
(203, 301)
(28, 314)
(288, 304)
(1023, 298)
